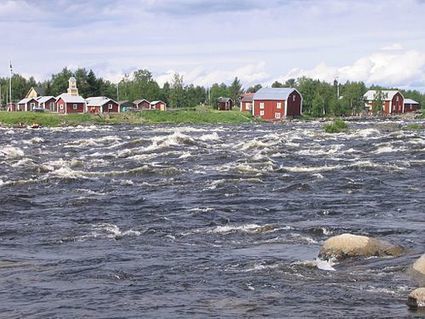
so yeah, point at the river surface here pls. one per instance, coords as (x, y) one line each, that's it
(206, 221)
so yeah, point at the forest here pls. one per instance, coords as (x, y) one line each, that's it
(319, 98)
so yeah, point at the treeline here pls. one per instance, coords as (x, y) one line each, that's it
(319, 97)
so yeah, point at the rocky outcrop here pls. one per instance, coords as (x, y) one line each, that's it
(348, 245)
(416, 298)
(419, 265)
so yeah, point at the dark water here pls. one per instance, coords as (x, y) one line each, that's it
(178, 222)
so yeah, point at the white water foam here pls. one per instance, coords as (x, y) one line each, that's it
(10, 152)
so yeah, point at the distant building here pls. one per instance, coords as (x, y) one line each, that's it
(158, 105)
(224, 103)
(246, 102)
(35, 92)
(28, 104)
(277, 103)
(126, 106)
(142, 104)
(67, 103)
(11, 107)
(411, 105)
(72, 86)
(392, 101)
(47, 103)
(102, 104)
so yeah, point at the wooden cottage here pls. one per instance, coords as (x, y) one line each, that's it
(126, 106)
(67, 103)
(246, 102)
(411, 105)
(224, 103)
(35, 92)
(142, 104)
(28, 104)
(392, 101)
(47, 103)
(102, 104)
(158, 105)
(276, 103)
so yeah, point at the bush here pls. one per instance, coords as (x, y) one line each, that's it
(336, 126)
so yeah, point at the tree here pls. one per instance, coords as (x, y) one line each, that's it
(177, 91)
(253, 89)
(378, 102)
(318, 105)
(277, 84)
(235, 90)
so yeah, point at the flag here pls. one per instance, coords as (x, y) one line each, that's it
(11, 69)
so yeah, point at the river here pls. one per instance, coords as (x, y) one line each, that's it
(206, 221)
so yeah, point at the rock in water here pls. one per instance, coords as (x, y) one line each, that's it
(419, 265)
(348, 245)
(416, 298)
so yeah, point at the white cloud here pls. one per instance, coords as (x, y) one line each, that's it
(386, 67)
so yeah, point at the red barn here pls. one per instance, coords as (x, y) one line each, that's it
(47, 103)
(411, 105)
(102, 104)
(224, 104)
(142, 104)
(277, 103)
(158, 105)
(27, 104)
(392, 101)
(67, 103)
(246, 102)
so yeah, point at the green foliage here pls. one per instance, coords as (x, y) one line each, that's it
(196, 117)
(235, 90)
(318, 104)
(336, 126)
(378, 101)
(414, 127)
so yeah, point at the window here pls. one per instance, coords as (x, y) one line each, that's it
(293, 98)
(396, 98)
(52, 105)
(32, 105)
(261, 113)
(261, 106)
(277, 115)
(61, 106)
(248, 106)
(74, 106)
(110, 106)
(279, 105)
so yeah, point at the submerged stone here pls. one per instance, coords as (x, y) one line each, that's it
(348, 245)
(416, 298)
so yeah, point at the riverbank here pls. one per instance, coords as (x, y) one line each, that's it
(147, 117)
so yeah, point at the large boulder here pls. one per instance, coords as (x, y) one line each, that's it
(348, 245)
(416, 298)
(419, 265)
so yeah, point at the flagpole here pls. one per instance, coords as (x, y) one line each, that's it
(10, 85)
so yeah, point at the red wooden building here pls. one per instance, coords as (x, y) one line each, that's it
(27, 104)
(47, 103)
(246, 102)
(158, 105)
(411, 105)
(392, 101)
(67, 103)
(142, 104)
(224, 103)
(277, 103)
(102, 104)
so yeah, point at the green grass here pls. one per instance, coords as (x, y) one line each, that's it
(414, 127)
(186, 116)
(336, 126)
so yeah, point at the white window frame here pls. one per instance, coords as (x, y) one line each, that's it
(262, 113)
(279, 105)
(261, 105)
(249, 106)
(75, 106)
(61, 106)
(110, 106)
(293, 98)
(277, 116)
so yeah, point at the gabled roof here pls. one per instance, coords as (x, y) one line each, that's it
(223, 99)
(43, 99)
(273, 93)
(137, 102)
(39, 90)
(247, 97)
(68, 98)
(387, 94)
(410, 101)
(156, 102)
(98, 100)
(26, 100)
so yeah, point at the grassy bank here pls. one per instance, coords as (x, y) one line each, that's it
(147, 117)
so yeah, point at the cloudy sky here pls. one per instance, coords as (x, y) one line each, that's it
(376, 41)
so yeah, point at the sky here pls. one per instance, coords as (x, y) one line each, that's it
(208, 41)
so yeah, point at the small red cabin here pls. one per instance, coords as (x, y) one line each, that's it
(27, 104)
(392, 101)
(246, 102)
(411, 105)
(158, 105)
(224, 104)
(47, 103)
(142, 104)
(274, 104)
(67, 103)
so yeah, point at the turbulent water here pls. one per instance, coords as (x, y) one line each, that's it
(206, 221)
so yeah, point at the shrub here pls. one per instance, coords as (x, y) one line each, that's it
(336, 126)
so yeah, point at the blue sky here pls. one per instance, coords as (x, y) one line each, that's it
(207, 41)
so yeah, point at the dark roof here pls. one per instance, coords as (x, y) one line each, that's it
(40, 91)
(125, 102)
(140, 101)
(223, 99)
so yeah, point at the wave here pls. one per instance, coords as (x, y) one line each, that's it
(107, 230)
(10, 152)
(175, 139)
(209, 137)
